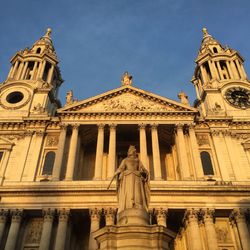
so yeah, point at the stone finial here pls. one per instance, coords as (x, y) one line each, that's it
(205, 33)
(126, 79)
(183, 98)
(48, 32)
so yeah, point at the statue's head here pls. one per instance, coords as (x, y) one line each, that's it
(131, 150)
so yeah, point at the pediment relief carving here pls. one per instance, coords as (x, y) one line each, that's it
(128, 102)
(127, 99)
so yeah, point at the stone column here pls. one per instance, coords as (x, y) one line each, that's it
(156, 152)
(19, 72)
(229, 70)
(24, 70)
(204, 74)
(72, 153)
(182, 153)
(109, 214)
(95, 225)
(99, 152)
(14, 229)
(47, 228)
(219, 69)
(235, 232)
(195, 237)
(143, 146)
(195, 152)
(50, 74)
(59, 154)
(3, 217)
(239, 69)
(161, 217)
(14, 70)
(40, 74)
(208, 217)
(62, 229)
(239, 216)
(112, 151)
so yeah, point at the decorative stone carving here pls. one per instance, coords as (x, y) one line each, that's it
(48, 214)
(202, 139)
(34, 231)
(52, 141)
(128, 102)
(109, 214)
(63, 214)
(38, 109)
(16, 215)
(161, 217)
(95, 214)
(222, 234)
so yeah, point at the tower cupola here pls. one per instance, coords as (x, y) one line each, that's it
(216, 65)
(37, 64)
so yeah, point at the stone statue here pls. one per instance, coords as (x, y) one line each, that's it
(132, 183)
(69, 97)
(126, 79)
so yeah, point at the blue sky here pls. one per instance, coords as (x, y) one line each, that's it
(97, 40)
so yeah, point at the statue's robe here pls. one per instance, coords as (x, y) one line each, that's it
(132, 185)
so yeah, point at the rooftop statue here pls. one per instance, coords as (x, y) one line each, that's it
(132, 183)
(126, 79)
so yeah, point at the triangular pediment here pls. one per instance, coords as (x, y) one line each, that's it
(127, 99)
(5, 143)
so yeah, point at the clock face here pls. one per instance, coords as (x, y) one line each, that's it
(238, 97)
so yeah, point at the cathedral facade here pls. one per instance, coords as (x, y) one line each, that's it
(56, 161)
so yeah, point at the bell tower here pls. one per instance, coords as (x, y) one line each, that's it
(220, 80)
(31, 87)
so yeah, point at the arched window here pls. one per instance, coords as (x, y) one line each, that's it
(48, 163)
(206, 163)
(38, 51)
(215, 50)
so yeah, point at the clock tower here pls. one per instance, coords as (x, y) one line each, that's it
(220, 80)
(31, 87)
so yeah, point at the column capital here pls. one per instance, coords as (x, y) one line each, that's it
(179, 126)
(142, 125)
(191, 214)
(112, 126)
(48, 214)
(95, 213)
(3, 214)
(207, 214)
(75, 126)
(154, 125)
(238, 214)
(63, 214)
(40, 133)
(161, 216)
(63, 126)
(109, 214)
(100, 126)
(16, 215)
(191, 125)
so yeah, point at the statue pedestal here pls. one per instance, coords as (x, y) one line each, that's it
(143, 237)
(133, 216)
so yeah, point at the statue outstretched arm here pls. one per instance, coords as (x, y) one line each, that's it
(117, 172)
